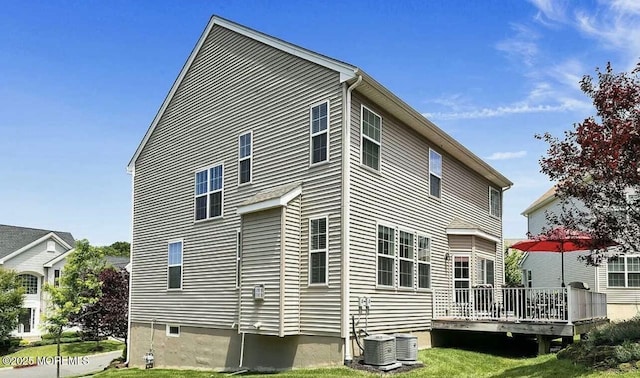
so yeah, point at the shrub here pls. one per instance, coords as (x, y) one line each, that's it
(66, 334)
(63, 340)
(616, 333)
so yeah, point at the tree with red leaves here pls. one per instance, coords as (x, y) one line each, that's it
(107, 316)
(597, 163)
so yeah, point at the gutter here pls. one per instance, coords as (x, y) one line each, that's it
(346, 212)
(132, 171)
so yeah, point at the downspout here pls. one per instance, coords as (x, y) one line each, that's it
(128, 341)
(346, 212)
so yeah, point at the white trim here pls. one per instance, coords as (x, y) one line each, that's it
(208, 192)
(325, 251)
(270, 204)
(51, 235)
(626, 272)
(238, 256)
(325, 131)
(468, 255)
(169, 242)
(250, 158)
(472, 232)
(169, 334)
(479, 260)
(57, 259)
(363, 136)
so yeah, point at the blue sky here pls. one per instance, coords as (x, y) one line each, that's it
(80, 82)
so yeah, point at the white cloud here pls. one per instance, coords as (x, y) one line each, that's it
(549, 10)
(522, 46)
(507, 155)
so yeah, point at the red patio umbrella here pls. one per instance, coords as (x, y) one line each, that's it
(562, 240)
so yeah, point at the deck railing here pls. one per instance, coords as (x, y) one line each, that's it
(549, 305)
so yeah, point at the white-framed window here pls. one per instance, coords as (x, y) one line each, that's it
(51, 246)
(173, 330)
(29, 282)
(209, 192)
(486, 272)
(318, 250)
(319, 129)
(461, 278)
(245, 160)
(371, 138)
(624, 271)
(174, 271)
(435, 173)
(495, 202)
(386, 257)
(405, 256)
(238, 256)
(56, 277)
(527, 280)
(424, 262)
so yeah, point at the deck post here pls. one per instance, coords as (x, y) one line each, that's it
(544, 344)
(569, 306)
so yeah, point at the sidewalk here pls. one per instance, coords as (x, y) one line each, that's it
(69, 368)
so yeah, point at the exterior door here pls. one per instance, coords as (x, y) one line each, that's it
(461, 278)
(26, 319)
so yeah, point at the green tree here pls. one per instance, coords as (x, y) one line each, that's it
(11, 300)
(119, 248)
(512, 274)
(79, 287)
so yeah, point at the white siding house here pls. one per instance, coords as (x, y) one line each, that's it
(38, 257)
(616, 279)
(279, 195)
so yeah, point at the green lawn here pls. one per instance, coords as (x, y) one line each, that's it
(440, 362)
(71, 350)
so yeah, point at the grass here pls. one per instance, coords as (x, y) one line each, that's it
(68, 350)
(440, 362)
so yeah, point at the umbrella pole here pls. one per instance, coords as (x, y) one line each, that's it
(562, 264)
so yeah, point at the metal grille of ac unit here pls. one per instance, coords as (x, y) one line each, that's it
(406, 347)
(379, 350)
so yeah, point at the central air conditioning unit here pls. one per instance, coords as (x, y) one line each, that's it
(406, 347)
(379, 350)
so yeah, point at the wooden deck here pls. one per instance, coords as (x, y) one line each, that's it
(546, 313)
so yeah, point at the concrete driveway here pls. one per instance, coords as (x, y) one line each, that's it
(70, 367)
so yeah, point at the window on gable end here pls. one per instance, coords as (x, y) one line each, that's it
(371, 140)
(319, 133)
(495, 202)
(435, 173)
(209, 192)
(174, 271)
(245, 157)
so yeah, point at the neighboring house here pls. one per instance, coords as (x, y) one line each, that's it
(280, 194)
(38, 257)
(619, 279)
(118, 262)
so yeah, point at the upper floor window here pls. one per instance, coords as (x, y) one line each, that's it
(320, 133)
(209, 192)
(245, 153)
(386, 259)
(435, 173)
(318, 251)
(424, 262)
(56, 277)
(29, 282)
(371, 138)
(624, 271)
(174, 272)
(405, 255)
(495, 202)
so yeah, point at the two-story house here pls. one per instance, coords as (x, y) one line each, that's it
(38, 257)
(281, 197)
(619, 279)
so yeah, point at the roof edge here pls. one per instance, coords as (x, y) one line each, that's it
(345, 70)
(33, 244)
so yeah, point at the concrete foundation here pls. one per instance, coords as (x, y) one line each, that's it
(217, 349)
(618, 312)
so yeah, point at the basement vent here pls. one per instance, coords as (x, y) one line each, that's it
(406, 347)
(379, 350)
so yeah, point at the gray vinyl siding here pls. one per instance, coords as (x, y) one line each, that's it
(546, 269)
(399, 195)
(291, 310)
(33, 259)
(234, 85)
(261, 237)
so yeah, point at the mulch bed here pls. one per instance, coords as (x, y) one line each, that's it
(359, 365)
